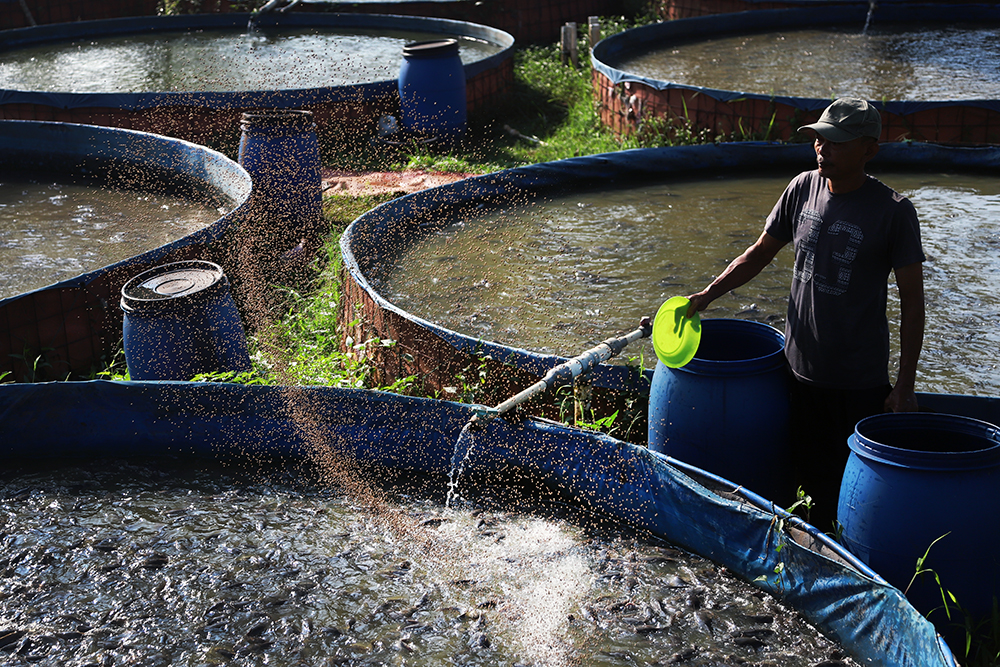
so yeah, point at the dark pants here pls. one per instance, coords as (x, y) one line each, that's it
(821, 421)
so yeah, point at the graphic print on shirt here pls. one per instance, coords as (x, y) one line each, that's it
(840, 260)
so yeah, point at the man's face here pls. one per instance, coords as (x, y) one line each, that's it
(840, 160)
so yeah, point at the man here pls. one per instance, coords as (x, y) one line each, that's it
(848, 231)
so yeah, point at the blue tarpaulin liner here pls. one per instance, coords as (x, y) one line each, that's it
(647, 491)
(274, 99)
(822, 15)
(370, 243)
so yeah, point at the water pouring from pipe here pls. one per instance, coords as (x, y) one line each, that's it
(271, 6)
(564, 373)
(868, 19)
(568, 371)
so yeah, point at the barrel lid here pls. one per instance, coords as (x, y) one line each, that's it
(438, 48)
(170, 283)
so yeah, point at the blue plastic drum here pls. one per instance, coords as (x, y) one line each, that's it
(280, 151)
(180, 320)
(726, 410)
(913, 478)
(432, 90)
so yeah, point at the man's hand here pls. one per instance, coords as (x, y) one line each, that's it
(901, 400)
(699, 302)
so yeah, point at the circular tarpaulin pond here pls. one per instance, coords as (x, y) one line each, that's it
(95, 191)
(779, 81)
(192, 76)
(621, 248)
(360, 579)
(561, 274)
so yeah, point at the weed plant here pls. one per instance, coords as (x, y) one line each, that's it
(302, 345)
(305, 345)
(977, 640)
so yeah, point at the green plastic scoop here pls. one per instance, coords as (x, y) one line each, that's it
(675, 335)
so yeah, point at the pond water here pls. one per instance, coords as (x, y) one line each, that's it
(565, 274)
(161, 563)
(219, 60)
(53, 230)
(891, 62)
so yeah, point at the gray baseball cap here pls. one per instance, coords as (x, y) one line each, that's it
(847, 118)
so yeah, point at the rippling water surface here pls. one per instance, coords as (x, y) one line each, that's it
(897, 62)
(52, 231)
(158, 563)
(219, 60)
(563, 275)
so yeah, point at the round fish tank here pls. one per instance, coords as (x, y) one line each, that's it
(534, 265)
(193, 76)
(928, 68)
(529, 572)
(83, 209)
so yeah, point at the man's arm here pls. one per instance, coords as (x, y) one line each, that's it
(910, 281)
(739, 272)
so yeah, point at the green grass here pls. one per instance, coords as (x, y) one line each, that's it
(304, 346)
(301, 344)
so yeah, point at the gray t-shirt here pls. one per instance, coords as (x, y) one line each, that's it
(837, 334)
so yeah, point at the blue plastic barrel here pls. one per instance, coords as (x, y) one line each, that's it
(726, 411)
(432, 89)
(912, 478)
(280, 151)
(180, 320)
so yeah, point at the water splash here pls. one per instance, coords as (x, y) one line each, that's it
(868, 19)
(466, 440)
(271, 6)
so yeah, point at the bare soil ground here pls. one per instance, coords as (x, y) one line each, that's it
(355, 184)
